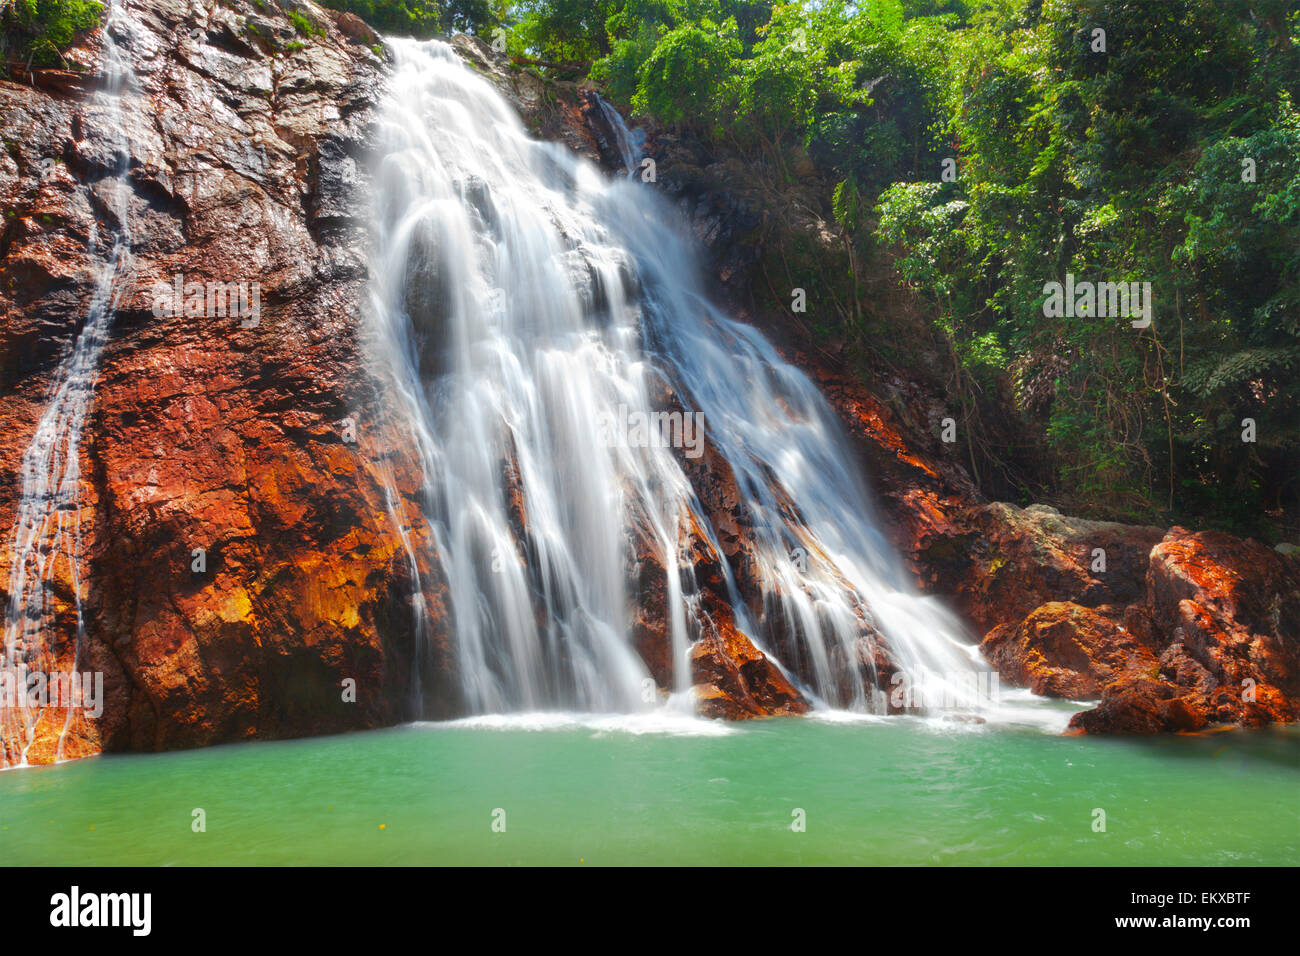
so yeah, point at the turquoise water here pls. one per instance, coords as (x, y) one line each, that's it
(877, 792)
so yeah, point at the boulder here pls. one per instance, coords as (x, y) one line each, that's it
(1065, 650)
(1141, 705)
(736, 681)
(354, 28)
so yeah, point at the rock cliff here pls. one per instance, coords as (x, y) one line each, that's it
(241, 558)
(253, 558)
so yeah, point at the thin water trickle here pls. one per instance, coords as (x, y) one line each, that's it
(47, 529)
(629, 143)
(521, 302)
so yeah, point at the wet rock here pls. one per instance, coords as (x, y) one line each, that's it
(1226, 612)
(551, 109)
(1000, 562)
(602, 132)
(1065, 650)
(1141, 705)
(259, 446)
(1235, 606)
(736, 681)
(732, 678)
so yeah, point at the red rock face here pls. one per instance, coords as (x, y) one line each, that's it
(732, 679)
(736, 681)
(1229, 614)
(261, 448)
(1173, 632)
(1142, 705)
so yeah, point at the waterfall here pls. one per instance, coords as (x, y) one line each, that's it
(521, 302)
(630, 144)
(47, 529)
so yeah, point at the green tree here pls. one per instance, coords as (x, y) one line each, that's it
(685, 79)
(568, 31)
(421, 18)
(35, 32)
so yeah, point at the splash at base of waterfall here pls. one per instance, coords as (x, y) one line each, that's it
(1019, 709)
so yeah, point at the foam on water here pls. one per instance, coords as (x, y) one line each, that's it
(664, 721)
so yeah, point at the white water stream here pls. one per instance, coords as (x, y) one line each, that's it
(528, 313)
(522, 302)
(47, 530)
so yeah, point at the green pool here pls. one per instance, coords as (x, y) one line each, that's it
(549, 789)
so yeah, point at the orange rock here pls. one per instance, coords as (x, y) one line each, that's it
(1065, 650)
(736, 681)
(205, 434)
(1142, 705)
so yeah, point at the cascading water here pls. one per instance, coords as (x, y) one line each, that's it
(629, 143)
(521, 302)
(47, 529)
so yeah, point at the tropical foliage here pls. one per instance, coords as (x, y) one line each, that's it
(990, 147)
(34, 32)
(419, 18)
